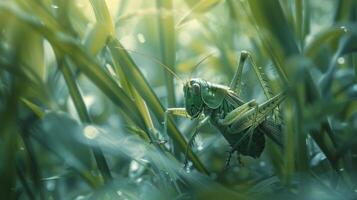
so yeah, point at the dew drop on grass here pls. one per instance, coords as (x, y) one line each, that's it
(139, 180)
(341, 169)
(187, 170)
(144, 160)
(89, 100)
(119, 192)
(80, 197)
(134, 166)
(344, 28)
(54, 6)
(200, 148)
(341, 60)
(90, 132)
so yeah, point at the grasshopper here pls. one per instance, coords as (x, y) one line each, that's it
(243, 124)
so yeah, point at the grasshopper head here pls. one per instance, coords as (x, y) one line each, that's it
(192, 96)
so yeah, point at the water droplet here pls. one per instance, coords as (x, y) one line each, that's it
(341, 60)
(144, 160)
(119, 192)
(90, 132)
(54, 6)
(134, 166)
(260, 68)
(200, 148)
(187, 170)
(355, 190)
(80, 197)
(141, 38)
(344, 28)
(89, 100)
(341, 170)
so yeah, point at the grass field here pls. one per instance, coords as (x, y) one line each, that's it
(84, 86)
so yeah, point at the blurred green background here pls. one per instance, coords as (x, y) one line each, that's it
(84, 88)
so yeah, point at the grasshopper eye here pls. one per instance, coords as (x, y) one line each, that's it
(196, 88)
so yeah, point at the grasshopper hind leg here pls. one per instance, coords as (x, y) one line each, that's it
(229, 158)
(239, 157)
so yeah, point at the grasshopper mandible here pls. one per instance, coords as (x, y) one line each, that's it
(243, 124)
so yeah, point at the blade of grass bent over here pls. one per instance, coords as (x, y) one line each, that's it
(84, 117)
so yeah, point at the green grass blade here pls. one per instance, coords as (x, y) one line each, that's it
(102, 15)
(167, 43)
(8, 146)
(269, 16)
(200, 6)
(342, 10)
(34, 108)
(84, 116)
(299, 25)
(24, 182)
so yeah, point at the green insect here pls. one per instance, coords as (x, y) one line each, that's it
(243, 124)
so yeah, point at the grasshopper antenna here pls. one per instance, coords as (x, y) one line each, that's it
(200, 62)
(156, 60)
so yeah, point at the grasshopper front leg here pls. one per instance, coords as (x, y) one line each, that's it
(183, 113)
(195, 133)
(174, 111)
